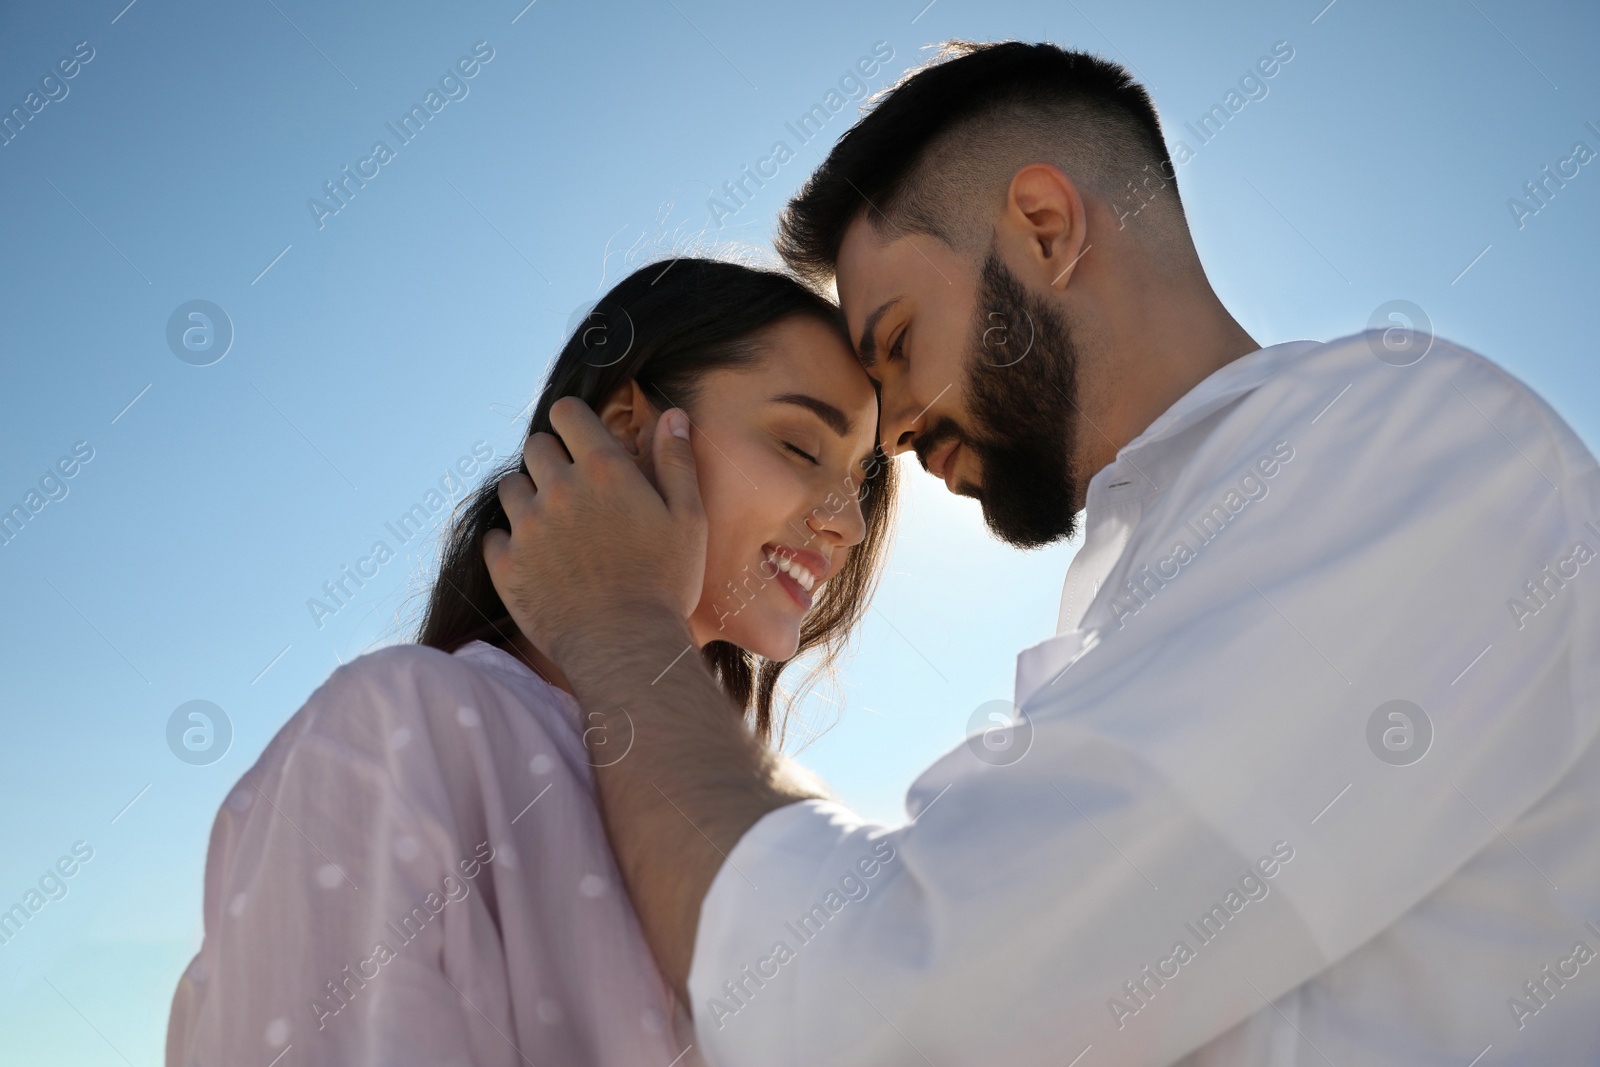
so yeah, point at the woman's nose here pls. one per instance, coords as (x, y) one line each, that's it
(847, 524)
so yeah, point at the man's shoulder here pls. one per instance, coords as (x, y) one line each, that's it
(1338, 454)
(1410, 402)
(1386, 373)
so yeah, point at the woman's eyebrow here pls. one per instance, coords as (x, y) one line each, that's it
(837, 420)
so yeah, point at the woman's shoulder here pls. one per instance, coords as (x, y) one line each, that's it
(400, 669)
(416, 720)
(373, 705)
(365, 700)
(410, 673)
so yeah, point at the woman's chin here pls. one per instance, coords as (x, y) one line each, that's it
(783, 649)
(773, 639)
(775, 642)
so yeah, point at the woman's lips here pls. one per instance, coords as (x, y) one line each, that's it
(797, 568)
(795, 590)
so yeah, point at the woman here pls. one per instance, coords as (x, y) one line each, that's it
(415, 870)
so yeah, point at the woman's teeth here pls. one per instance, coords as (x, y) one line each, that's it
(794, 570)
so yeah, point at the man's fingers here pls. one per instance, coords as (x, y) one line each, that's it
(516, 497)
(581, 429)
(496, 548)
(545, 457)
(674, 463)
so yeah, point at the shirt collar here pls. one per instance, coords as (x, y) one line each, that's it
(1223, 386)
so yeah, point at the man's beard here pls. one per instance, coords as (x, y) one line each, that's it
(1022, 396)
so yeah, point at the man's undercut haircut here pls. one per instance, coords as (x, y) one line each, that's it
(937, 152)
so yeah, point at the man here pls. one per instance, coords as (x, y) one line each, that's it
(1308, 773)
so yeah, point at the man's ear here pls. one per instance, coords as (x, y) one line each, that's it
(1045, 208)
(630, 417)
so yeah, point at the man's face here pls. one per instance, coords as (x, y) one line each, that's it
(977, 376)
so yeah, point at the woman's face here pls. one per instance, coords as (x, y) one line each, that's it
(780, 445)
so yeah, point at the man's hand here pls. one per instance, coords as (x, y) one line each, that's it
(601, 573)
(592, 542)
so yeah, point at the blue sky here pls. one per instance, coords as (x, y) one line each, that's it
(371, 353)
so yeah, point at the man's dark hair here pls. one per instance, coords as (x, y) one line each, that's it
(936, 153)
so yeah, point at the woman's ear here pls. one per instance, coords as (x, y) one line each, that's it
(631, 418)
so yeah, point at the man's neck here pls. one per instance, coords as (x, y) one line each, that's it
(1169, 346)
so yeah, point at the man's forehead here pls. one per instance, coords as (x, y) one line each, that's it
(865, 274)
(860, 246)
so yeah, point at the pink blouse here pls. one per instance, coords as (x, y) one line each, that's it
(415, 872)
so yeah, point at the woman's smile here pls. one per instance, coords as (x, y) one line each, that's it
(798, 570)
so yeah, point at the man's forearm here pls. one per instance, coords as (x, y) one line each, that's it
(693, 780)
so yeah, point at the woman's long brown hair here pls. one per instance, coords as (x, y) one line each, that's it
(666, 328)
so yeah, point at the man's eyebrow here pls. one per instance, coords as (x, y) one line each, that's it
(837, 420)
(869, 341)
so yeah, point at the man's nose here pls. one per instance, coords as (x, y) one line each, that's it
(903, 418)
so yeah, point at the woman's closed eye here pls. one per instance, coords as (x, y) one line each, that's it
(802, 453)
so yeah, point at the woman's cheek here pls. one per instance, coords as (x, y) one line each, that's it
(719, 571)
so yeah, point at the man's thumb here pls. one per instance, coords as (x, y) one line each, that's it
(674, 463)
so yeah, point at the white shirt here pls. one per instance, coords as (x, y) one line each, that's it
(1200, 857)
(415, 873)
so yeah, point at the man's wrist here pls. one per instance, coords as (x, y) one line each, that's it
(588, 643)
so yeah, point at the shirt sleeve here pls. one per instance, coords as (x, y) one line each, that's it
(335, 898)
(1273, 736)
